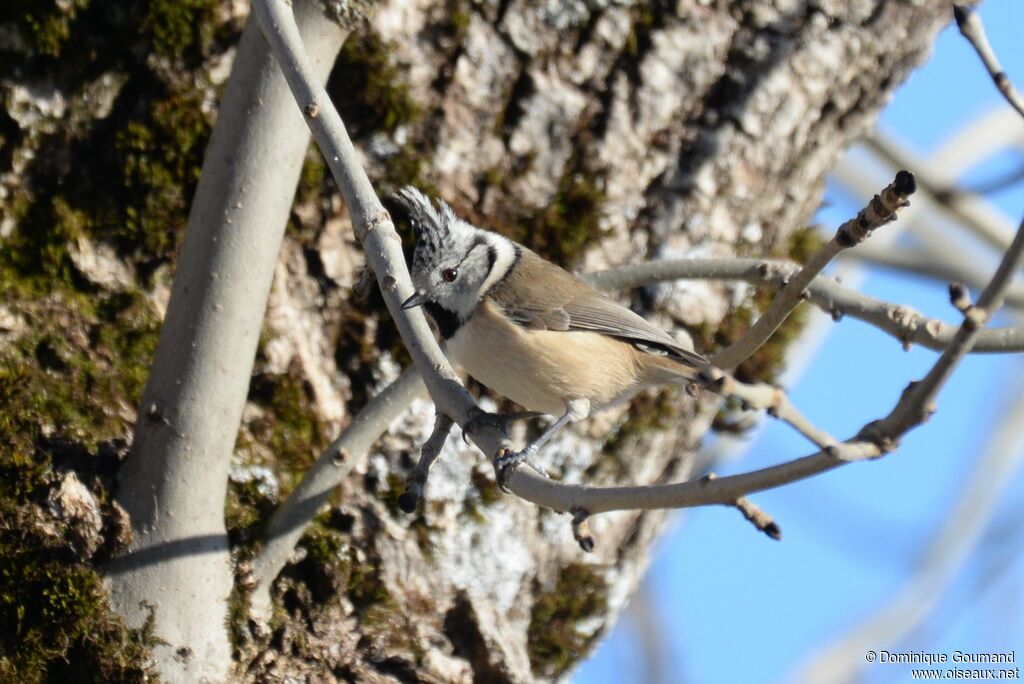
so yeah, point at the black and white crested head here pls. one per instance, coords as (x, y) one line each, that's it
(454, 263)
(432, 227)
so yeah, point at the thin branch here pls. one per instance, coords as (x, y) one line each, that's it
(880, 210)
(965, 211)
(921, 262)
(960, 297)
(417, 478)
(974, 31)
(286, 525)
(753, 513)
(873, 440)
(902, 322)
(774, 402)
(917, 403)
(581, 530)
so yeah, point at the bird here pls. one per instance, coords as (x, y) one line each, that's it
(530, 330)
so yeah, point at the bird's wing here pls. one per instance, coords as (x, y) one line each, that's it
(542, 296)
(596, 313)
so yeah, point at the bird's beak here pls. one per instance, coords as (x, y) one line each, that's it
(418, 299)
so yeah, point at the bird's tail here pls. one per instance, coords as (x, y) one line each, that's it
(670, 369)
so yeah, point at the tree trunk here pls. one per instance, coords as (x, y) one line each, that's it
(177, 570)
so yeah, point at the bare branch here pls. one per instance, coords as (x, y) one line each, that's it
(922, 262)
(974, 31)
(880, 210)
(917, 403)
(753, 514)
(774, 402)
(581, 530)
(902, 322)
(758, 518)
(285, 527)
(965, 211)
(417, 478)
(960, 297)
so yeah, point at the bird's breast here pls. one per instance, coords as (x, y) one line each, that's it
(542, 369)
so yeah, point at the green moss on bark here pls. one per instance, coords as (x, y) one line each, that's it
(118, 164)
(125, 175)
(369, 87)
(77, 372)
(45, 25)
(647, 411)
(68, 385)
(53, 611)
(288, 424)
(562, 230)
(554, 640)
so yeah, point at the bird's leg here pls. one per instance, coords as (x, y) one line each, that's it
(507, 461)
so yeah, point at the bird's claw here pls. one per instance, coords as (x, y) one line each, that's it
(509, 460)
(484, 419)
(505, 463)
(501, 421)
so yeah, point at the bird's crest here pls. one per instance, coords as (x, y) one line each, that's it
(431, 224)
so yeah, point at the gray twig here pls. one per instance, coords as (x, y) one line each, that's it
(581, 530)
(918, 400)
(880, 210)
(974, 31)
(417, 478)
(286, 525)
(372, 224)
(753, 514)
(902, 322)
(933, 183)
(774, 402)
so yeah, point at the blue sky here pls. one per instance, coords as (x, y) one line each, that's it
(733, 606)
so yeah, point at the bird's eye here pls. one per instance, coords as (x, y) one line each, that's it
(449, 275)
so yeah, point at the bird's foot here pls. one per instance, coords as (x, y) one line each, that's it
(501, 421)
(507, 461)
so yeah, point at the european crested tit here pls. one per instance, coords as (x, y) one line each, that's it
(530, 330)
